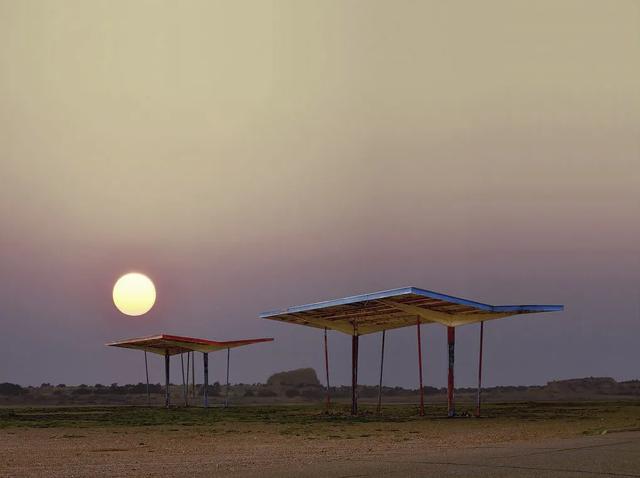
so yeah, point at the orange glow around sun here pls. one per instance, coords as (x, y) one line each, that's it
(134, 294)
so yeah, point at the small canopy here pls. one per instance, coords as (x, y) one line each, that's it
(391, 309)
(175, 344)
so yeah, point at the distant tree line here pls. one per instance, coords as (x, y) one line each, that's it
(315, 391)
(11, 389)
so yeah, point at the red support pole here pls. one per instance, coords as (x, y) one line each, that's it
(193, 374)
(226, 397)
(205, 366)
(326, 368)
(420, 367)
(451, 340)
(480, 371)
(186, 395)
(354, 374)
(167, 392)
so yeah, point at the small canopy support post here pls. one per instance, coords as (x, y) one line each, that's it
(184, 385)
(420, 367)
(478, 402)
(378, 409)
(166, 379)
(188, 371)
(193, 374)
(226, 398)
(146, 370)
(205, 366)
(451, 341)
(354, 374)
(326, 369)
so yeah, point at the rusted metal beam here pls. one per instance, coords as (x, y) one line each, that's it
(478, 402)
(420, 366)
(451, 341)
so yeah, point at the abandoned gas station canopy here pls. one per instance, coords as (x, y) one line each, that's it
(164, 344)
(391, 309)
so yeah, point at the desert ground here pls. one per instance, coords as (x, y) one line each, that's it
(511, 439)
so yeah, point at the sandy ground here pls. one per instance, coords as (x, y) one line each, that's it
(248, 450)
(429, 447)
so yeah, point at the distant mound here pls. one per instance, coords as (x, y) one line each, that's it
(301, 377)
(598, 385)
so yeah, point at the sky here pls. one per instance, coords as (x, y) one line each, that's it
(254, 155)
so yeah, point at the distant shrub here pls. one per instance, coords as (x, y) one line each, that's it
(249, 393)
(12, 389)
(156, 388)
(81, 390)
(265, 392)
(137, 388)
(368, 392)
(312, 394)
(214, 390)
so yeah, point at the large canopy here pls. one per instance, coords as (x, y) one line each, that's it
(391, 309)
(175, 344)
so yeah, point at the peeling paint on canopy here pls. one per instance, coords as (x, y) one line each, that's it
(395, 308)
(175, 344)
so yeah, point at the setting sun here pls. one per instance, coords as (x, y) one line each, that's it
(134, 294)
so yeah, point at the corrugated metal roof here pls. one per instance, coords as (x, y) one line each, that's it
(175, 344)
(390, 309)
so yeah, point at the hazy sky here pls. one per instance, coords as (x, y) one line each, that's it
(250, 156)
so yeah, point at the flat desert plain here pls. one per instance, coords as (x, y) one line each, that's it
(513, 439)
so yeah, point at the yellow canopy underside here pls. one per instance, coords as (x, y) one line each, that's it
(173, 344)
(389, 313)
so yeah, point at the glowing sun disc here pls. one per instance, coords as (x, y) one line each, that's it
(134, 294)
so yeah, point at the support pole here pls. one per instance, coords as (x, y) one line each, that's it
(146, 370)
(326, 369)
(184, 385)
(480, 370)
(354, 374)
(226, 398)
(188, 373)
(451, 340)
(166, 378)
(193, 374)
(205, 364)
(420, 367)
(381, 367)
